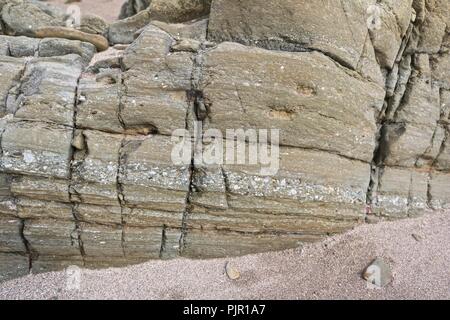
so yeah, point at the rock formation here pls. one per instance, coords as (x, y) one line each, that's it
(360, 91)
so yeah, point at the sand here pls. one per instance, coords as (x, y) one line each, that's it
(325, 270)
(107, 9)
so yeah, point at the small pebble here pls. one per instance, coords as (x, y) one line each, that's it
(378, 273)
(232, 272)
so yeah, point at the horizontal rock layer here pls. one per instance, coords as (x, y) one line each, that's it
(87, 175)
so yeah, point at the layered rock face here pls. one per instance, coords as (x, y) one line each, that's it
(359, 90)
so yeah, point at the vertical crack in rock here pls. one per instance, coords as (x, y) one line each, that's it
(187, 211)
(441, 149)
(429, 148)
(430, 173)
(429, 193)
(71, 190)
(393, 100)
(14, 96)
(28, 250)
(376, 168)
(344, 9)
(227, 186)
(122, 93)
(439, 124)
(199, 110)
(398, 102)
(410, 199)
(2, 26)
(2, 130)
(188, 206)
(163, 241)
(241, 103)
(120, 194)
(8, 49)
(121, 156)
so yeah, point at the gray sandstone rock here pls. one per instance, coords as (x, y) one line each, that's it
(10, 235)
(98, 102)
(148, 178)
(94, 24)
(36, 148)
(294, 26)
(212, 244)
(167, 10)
(94, 170)
(295, 200)
(401, 193)
(49, 47)
(47, 92)
(395, 18)
(11, 70)
(86, 170)
(132, 7)
(40, 188)
(13, 265)
(122, 31)
(178, 10)
(439, 186)
(195, 30)
(295, 92)
(21, 17)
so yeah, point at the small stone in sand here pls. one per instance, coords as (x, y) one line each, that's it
(378, 273)
(232, 272)
(416, 237)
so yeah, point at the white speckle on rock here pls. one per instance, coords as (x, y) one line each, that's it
(28, 157)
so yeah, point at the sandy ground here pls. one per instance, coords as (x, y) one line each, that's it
(325, 270)
(107, 9)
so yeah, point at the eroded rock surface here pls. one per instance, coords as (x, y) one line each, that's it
(167, 10)
(360, 92)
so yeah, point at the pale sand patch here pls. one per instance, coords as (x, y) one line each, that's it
(325, 270)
